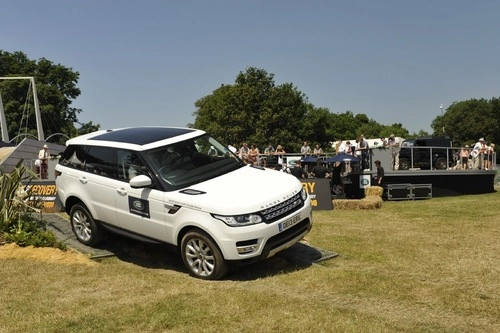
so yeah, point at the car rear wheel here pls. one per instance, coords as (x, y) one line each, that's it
(441, 164)
(202, 257)
(86, 230)
(404, 164)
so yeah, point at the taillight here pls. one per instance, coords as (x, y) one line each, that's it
(57, 173)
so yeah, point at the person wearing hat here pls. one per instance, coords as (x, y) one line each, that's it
(43, 157)
(477, 154)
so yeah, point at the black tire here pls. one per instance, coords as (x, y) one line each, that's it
(441, 164)
(404, 164)
(202, 256)
(86, 230)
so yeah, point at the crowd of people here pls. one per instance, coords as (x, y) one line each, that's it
(253, 156)
(359, 148)
(479, 156)
(274, 157)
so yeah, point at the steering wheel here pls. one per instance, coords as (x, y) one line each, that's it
(164, 170)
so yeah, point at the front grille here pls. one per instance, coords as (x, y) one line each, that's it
(282, 209)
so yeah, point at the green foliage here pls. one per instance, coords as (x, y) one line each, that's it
(467, 121)
(30, 231)
(16, 222)
(11, 194)
(56, 90)
(253, 110)
(87, 128)
(256, 110)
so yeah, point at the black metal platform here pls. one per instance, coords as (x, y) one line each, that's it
(442, 182)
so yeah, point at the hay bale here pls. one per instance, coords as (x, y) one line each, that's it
(376, 191)
(346, 204)
(371, 202)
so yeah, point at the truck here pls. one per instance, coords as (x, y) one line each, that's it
(426, 153)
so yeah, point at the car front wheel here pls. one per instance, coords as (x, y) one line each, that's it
(202, 257)
(86, 230)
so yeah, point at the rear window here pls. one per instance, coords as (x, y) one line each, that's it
(94, 159)
(73, 157)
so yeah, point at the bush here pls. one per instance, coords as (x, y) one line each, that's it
(31, 231)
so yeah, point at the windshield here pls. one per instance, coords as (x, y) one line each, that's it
(408, 143)
(192, 161)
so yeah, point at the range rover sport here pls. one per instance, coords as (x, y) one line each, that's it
(160, 185)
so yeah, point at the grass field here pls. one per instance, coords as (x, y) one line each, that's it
(416, 266)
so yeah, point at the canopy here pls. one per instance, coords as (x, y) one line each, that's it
(309, 159)
(342, 157)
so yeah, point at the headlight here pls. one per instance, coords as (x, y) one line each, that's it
(303, 194)
(239, 220)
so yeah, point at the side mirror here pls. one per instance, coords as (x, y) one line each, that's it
(140, 181)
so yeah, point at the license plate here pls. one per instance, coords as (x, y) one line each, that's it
(288, 223)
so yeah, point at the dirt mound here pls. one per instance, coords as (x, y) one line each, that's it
(46, 254)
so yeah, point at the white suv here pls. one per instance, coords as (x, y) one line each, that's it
(162, 185)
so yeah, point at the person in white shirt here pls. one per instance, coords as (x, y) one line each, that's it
(477, 157)
(342, 147)
(305, 149)
(394, 145)
(244, 150)
(43, 156)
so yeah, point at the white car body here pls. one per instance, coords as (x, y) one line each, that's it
(163, 206)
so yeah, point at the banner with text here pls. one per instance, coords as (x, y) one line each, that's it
(319, 190)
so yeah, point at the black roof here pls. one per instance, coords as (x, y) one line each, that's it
(142, 135)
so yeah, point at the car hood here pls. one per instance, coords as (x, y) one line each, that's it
(244, 190)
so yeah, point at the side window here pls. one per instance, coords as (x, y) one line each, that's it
(129, 165)
(101, 161)
(73, 157)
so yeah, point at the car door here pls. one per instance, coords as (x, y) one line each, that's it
(139, 210)
(421, 155)
(98, 182)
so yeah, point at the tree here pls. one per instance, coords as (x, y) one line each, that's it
(316, 126)
(344, 126)
(56, 90)
(254, 110)
(465, 122)
(87, 128)
(397, 129)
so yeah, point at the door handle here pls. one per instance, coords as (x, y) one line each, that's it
(121, 191)
(83, 180)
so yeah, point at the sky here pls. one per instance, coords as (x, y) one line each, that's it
(147, 62)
